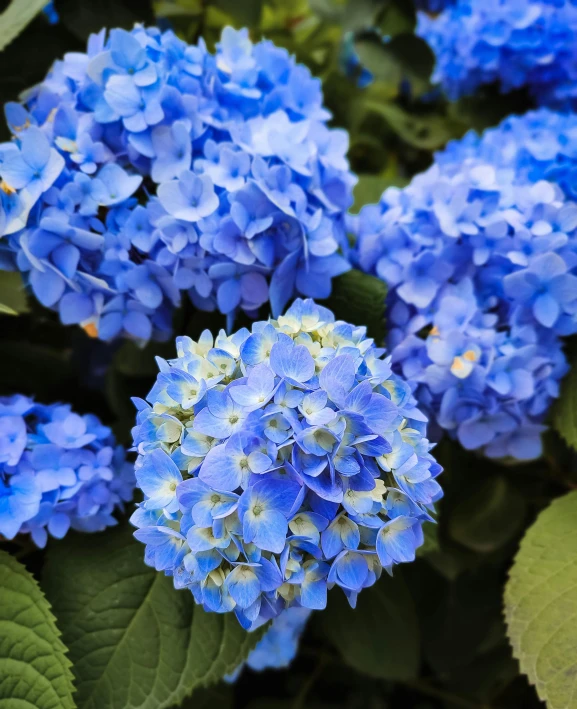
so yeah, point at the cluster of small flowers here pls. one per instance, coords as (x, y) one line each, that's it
(58, 470)
(147, 167)
(539, 145)
(278, 646)
(482, 288)
(530, 43)
(277, 463)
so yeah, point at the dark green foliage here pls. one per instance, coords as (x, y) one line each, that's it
(133, 640)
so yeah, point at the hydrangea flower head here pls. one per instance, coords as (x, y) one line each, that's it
(524, 43)
(481, 269)
(58, 470)
(539, 145)
(146, 167)
(279, 462)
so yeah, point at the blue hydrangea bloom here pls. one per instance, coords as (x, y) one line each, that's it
(515, 43)
(147, 167)
(278, 463)
(539, 145)
(58, 470)
(51, 13)
(481, 269)
(279, 645)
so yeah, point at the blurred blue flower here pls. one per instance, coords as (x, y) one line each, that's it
(279, 645)
(480, 261)
(147, 167)
(51, 13)
(269, 461)
(58, 470)
(526, 43)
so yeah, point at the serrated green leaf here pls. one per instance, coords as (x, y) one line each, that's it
(135, 641)
(12, 294)
(15, 18)
(380, 637)
(34, 669)
(565, 410)
(541, 604)
(359, 299)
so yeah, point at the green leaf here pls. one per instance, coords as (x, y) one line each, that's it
(359, 299)
(15, 18)
(565, 409)
(34, 669)
(246, 13)
(134, 640)
(380, 637)
(425, 132)
(12, 294)
(369, 188)
(416, 59)
(541, 604)
(218, 697)
(362, 14)
(488, 515)
(375, 55)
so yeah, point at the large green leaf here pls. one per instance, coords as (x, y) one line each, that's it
(34, 669)
(380, 637)
(541, 604)
(359, 299)
(15, 18)
(136, 642)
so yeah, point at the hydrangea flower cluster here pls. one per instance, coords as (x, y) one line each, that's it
(147, 167)
(279, 462)
(58, 470)
(517, 43)
(539, 145)
(278, 646)
(481, 270)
